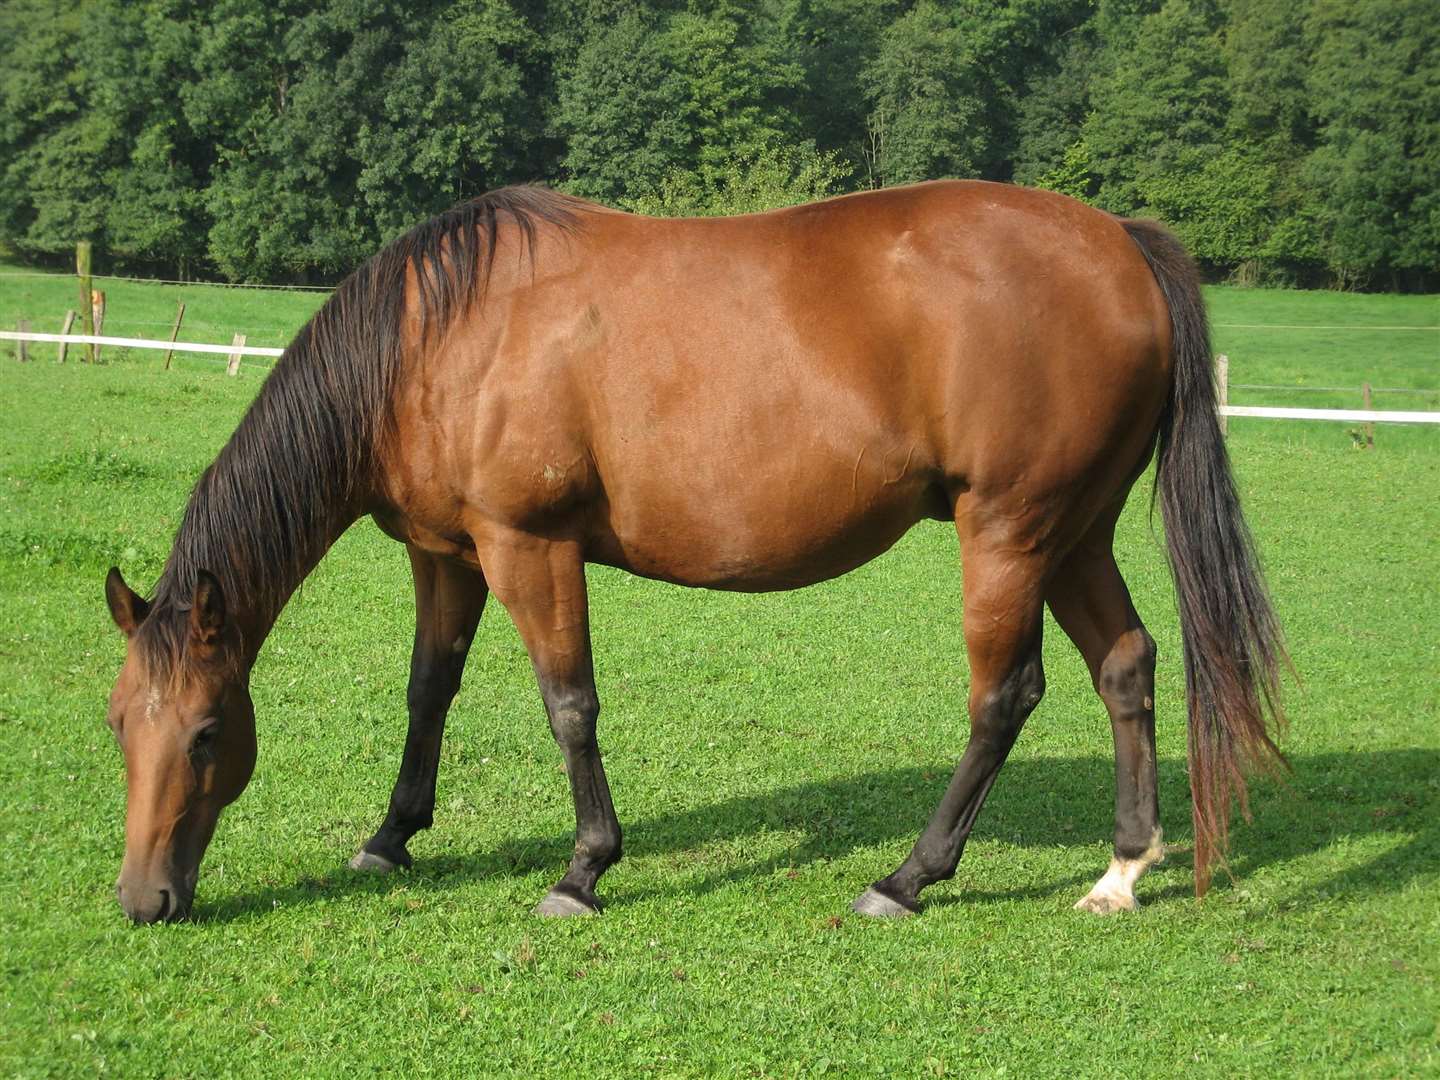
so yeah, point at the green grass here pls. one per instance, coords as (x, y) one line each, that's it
(769, 756)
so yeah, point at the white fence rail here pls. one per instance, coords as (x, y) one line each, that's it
(1364, 416)
(142, 343)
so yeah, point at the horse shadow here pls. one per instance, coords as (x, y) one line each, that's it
(1037, 802)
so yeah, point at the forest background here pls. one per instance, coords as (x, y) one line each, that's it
(1289, 142)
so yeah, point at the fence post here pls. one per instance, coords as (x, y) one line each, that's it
(61, 348)
(22, 347)
(1222, 390)
(1369, 426)
(97, 313)
(233, 366)
(174, 330)
(87, 319)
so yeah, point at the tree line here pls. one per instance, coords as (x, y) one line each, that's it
(1287, 141)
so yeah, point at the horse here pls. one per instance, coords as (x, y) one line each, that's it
(529, 382)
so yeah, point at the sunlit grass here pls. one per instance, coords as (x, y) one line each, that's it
(769, 756)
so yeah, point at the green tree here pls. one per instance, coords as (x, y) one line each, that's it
(1221, 203)
(1051, 111)
(776, 175)
(1162, 104)
(1073, 174)
(154, 212)
(287, 139)
(455, 117)
(55, 150)
(654, 97)
(1268, 59)
(620, 110)
(923, 108)
(735, 84)
(283, 192)
(341, 125)
(1375, 95)
(832, 41)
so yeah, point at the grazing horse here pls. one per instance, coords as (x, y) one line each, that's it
(529, 382)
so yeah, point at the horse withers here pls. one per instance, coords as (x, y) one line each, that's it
(529, 382)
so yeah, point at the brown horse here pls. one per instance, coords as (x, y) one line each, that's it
(528, 383)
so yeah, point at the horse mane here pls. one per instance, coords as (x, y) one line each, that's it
(301, 463)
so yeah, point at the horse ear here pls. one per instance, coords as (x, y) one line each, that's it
(126, 607)
(207, 613)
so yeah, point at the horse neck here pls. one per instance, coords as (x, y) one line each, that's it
(261, 518)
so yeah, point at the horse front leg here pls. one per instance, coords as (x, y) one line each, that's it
(541, 582)
(449, 600)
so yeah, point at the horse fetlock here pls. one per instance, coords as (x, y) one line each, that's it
(1115, 891)
(597, 850)
(1148, 850)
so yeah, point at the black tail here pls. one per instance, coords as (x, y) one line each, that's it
(1232, 642)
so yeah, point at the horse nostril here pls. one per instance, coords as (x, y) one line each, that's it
(164, 905)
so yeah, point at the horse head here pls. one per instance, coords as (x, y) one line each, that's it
(182, 715)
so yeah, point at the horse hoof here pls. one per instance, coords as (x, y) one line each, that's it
(564, 905)
(368, 860)
(1100, 903)
(879, 906)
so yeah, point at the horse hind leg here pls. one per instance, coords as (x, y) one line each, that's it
(1002, 611)
(1089, 600)
(449, 601)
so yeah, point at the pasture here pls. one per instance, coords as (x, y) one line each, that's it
(769, 756)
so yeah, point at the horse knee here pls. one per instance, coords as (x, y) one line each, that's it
(433, 685)
(428, 693)
(599, 843)
(572, 720)
(1126, 682)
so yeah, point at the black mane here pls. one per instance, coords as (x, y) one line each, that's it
(297, 470)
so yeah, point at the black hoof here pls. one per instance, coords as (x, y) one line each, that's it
(380, 858)
(563, 904)
(877, 905)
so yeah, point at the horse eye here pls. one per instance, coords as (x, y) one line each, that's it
(204, 741)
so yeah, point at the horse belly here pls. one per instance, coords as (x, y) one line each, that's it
(783, 528)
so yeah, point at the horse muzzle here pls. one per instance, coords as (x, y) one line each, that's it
(144, 902)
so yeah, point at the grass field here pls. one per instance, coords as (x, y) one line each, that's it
(769, 756)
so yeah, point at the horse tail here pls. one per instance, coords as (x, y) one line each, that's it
(1231, 639)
